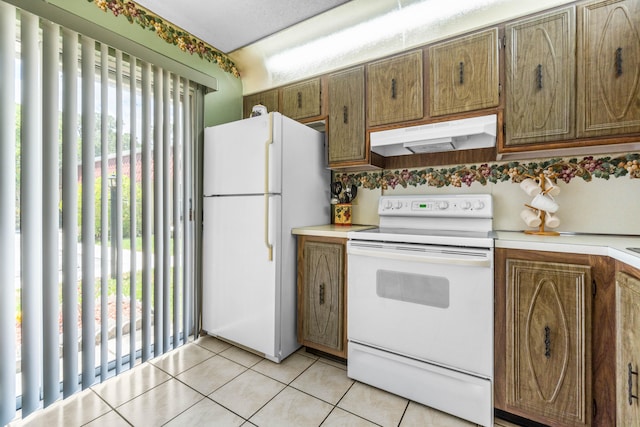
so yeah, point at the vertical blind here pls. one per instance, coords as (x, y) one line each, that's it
(96, 195)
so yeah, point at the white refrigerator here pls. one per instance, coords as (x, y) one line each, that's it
(263, 176)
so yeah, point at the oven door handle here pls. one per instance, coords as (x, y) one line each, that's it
(416, 256)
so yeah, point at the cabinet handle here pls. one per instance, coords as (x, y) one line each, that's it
(321, 296)
(345, 115)
(461, 67)
(539, 76)
(619, 62)
(630, 383)
(299, 99)
(547, 342)
(393, 88)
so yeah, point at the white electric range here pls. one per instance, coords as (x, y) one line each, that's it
(420, 298)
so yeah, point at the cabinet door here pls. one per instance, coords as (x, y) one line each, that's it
(394, 89)
(346, 116)
(464, 74)
(628, 345)
(540, 70)
(302, 100)
(548, 342)
(608, 68)
(323, 294)
(269, 99)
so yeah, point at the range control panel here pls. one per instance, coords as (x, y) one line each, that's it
(463, 205)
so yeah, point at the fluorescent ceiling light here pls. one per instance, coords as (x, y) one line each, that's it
(392, 24)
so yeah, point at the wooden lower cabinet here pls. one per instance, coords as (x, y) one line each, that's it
(322, 294)
(549, 360)
(628, 346)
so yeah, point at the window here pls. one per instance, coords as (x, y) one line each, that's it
(95, 220)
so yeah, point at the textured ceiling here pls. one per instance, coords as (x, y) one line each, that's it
(275, 42)
(231, 24)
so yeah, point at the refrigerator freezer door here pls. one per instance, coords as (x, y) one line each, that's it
(243, 157)
(241, 283)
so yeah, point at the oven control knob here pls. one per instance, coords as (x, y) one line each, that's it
(398, 204)
(387, 204)
(479, 204)
(443, 205)
(465, 205)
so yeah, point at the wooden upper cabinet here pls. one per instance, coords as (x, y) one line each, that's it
(628, 349)
(302, 100)
(464, 74)
(346, 117)
(540, 76)
(395, 89)
(268, 98)
(548, 342)
(608, 68)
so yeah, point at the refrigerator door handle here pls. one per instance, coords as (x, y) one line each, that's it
(266, 189)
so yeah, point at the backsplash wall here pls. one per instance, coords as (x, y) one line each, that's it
(599, 194)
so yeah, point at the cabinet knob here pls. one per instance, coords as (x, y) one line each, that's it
(619, 62)
(630, 384)
(547, 342)
(539, 76)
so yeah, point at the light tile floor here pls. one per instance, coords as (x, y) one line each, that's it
(210, 382)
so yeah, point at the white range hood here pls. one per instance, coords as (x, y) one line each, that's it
(463, 134)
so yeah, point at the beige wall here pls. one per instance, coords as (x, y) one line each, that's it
(599, 206)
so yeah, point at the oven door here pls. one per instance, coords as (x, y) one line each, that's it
(429, 303)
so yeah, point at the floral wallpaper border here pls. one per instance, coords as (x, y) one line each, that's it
(168, 32)
(556, 169)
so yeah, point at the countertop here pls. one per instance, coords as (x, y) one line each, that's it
(612, 246)
(329, 230)
(592, 244)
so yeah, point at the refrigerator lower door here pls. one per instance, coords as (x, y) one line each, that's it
(240, 271)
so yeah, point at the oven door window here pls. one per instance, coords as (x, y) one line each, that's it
(413, 288)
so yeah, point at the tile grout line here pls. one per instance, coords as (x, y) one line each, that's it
(314, 361)
(404, 412)
(110, 406)
(207, 396)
